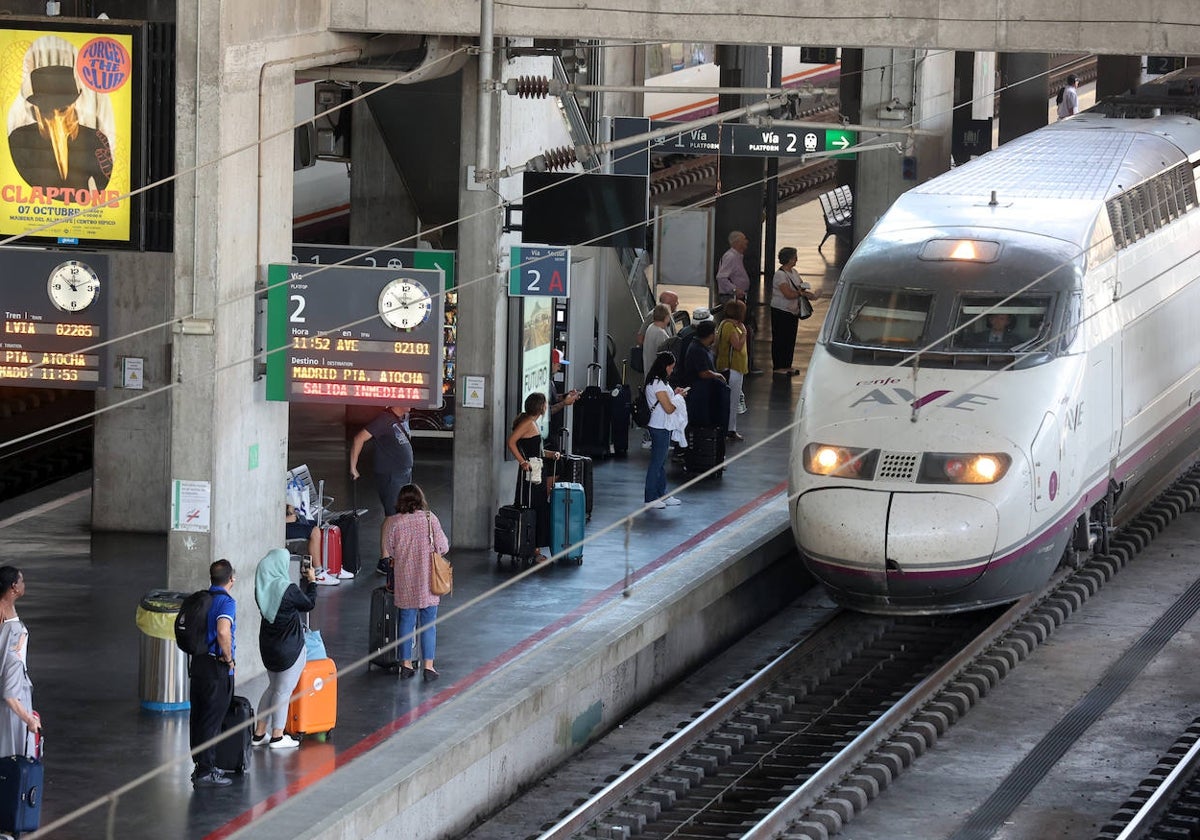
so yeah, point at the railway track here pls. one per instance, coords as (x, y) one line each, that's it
(1167, 805)
(806, 744)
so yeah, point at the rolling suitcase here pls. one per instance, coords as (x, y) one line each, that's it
(515, 532)
(348, 524)
(331, 548)
(385, 621)
(233, 753)
(567, 521)
(620, 410)
(21, 788)
(314, 709)
(705, 450)
(591, 429)
(577, 469)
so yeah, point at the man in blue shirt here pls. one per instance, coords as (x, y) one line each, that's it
(212, 676)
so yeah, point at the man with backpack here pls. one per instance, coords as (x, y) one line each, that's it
(212, 665)
(1068, 98)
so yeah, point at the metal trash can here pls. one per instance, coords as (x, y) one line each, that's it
(162, 666)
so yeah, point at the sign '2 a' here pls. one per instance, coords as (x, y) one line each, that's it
(539, 271)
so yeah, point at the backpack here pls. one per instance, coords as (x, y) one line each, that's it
(642, 409)
(1059, 97)
(191, 625)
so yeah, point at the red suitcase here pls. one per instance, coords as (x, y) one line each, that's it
(315, 708)
(331, 548)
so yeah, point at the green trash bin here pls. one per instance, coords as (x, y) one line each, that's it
(162, 666)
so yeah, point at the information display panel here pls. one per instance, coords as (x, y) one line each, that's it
(55, 309)
(355, 336)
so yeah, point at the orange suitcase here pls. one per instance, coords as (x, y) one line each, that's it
(315, 709)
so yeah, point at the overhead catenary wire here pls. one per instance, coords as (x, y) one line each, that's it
(622, 522)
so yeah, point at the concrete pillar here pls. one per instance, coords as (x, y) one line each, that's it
(1117, 74)
(129, 472)
(482, 351)
(381, 208)
(235, 86)
(1025, 90)
(902, 88)
(740, 180)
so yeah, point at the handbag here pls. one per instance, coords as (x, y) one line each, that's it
(441, 573)
(314, 645)
(805, 307)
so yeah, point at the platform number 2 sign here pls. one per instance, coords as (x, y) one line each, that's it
(538, 271)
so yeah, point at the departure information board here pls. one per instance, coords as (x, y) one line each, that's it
(355, 336)
(55, 308)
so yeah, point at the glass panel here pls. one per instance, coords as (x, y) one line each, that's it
(886, 317)
(1016, 324)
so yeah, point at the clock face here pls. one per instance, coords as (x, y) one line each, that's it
(73, 286)
(404, 304)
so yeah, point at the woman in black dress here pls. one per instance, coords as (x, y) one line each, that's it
(533, 487)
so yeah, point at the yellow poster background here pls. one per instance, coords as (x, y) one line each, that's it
(27, 209)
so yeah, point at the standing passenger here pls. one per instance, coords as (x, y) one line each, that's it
(280, 641)
(658, 395)
(1068, 106)
(787, 288)
(18, 723)
(393, 454)
(212, 676)
(524, 443)
(410, 538)
(731, 356)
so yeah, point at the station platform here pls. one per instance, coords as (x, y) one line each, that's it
(114, 770)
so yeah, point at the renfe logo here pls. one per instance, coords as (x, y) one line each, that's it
(103, 65)
(902, 396)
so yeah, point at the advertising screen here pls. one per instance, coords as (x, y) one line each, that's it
(70, 137)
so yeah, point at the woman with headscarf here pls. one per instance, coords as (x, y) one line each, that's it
(280, 641)
(18, 722)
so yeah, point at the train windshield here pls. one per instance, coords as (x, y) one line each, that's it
(895, 318)
(993, 324)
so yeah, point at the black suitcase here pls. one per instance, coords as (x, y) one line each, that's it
(383, 629)
(621, 409)
(705, 450)
(591, 427)
(577, 469)
(233, 753)
(514, 534)
(348, 522)
(21, 788)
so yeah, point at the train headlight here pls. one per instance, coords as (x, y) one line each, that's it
(842, 461)
(964, 468)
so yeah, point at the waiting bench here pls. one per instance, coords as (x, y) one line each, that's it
(838, 207)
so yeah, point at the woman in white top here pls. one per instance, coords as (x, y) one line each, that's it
(786, 291)
(18, 723)
(658, 395)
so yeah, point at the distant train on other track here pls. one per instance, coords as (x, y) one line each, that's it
(1009, 368)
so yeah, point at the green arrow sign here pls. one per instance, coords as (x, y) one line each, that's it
(840, 138)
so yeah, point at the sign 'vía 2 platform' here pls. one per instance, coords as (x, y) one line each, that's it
(350, 335)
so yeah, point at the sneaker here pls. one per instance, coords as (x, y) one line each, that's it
(345, 575)
(382, 567)
(647, 444)
(741, 408)
(259, 740)
(213, 778)
(671, 501)
(326, 580)
(657, 504)
(755, 372)
(283, 742)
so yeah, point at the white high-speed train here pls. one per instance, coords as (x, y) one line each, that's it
(1010, 364)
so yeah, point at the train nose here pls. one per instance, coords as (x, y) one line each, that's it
(896, 545)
